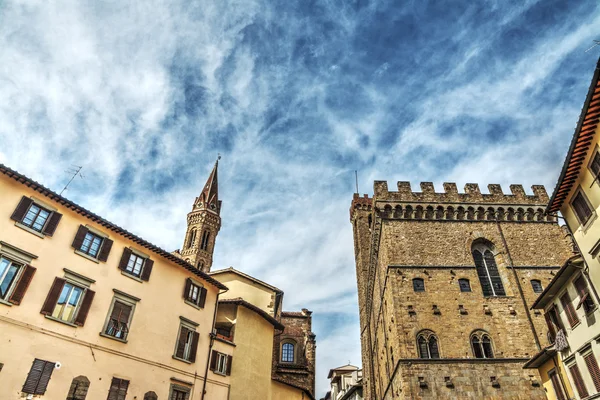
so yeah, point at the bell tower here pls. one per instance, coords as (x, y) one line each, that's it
(203, 224)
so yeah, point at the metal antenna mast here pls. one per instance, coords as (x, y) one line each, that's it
(76, 170)
(596, 43)
(356, 176)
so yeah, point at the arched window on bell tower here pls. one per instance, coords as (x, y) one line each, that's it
(191, 238)
(205, 239)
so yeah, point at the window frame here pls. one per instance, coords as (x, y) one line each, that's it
(480, 335)
(585, 296)
(126, 299)
(188, 350)
(180, 388)
(50, 224)
(468, 282)
(224, 358)
(482, 249)
(34, 220)
(591, 217)
(418, 281)
(200, 301)
(427, 335)
(137, 257)
(288, 342)
(93, 235)
(77, 306)
(15, 279)
(595, 175)
(18, 256)
(533, 287)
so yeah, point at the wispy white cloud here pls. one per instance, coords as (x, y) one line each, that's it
(296, 96)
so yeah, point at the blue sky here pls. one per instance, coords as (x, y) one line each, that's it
(295, 96)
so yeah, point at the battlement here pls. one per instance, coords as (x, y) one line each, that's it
(472, 194)
(360, 203)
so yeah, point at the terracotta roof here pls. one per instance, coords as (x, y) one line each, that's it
(305, 390)
(250, 278)
(580, 144)
(109, 225)
(241, 302)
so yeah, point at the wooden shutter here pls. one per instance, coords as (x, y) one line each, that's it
(560, 395)
(52, 224)
(576, 374)
(125, 259)
(592, 365)
(183, 334)
(45, 378)
(581, 286)
(213, 360)
(147, 270)
(79, 236)
(569, 310)
(33, 377)
(194, 348)
(551, 329)
(53, 295)
(24, 281)
(21, 209)
(118, 389)
(121, 312)
(105, 249)
(202, 299)
(84, 309)
(186, 289)
(229, 362)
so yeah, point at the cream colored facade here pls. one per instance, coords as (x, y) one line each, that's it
(571, 300)
(146, 358)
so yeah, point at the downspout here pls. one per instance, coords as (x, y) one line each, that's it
(511, 265)
(212, 341)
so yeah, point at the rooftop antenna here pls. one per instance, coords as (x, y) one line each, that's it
(356, 177)
(596, 43)
(75, 170)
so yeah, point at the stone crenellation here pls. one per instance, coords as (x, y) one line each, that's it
(472, 194)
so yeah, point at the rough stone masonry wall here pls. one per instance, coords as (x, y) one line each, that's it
(437, 248)
(298, 327)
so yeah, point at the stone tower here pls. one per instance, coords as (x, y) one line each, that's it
(203, 224)
(445, 285)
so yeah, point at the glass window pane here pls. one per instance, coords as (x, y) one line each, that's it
(477, 347)
(8, 276)
(487, 347)
(40, 221)
(31, 214)
(423, 350)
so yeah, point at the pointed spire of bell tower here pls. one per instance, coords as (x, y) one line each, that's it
(209, 198)
(204, 223)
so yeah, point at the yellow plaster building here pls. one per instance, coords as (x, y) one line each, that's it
(273, 353)
(91, 311)
(569, 365)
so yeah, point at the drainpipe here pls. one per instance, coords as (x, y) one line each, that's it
(510, 263)
(212, 341)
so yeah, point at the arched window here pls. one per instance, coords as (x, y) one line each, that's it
(536, 284)
(418, 285)
(288, 352)
(482, 345)
(205, 238)
(191, 238)
(487, 271)
(150, 396)
(464, 285)
(79, 388)
(428, 345)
